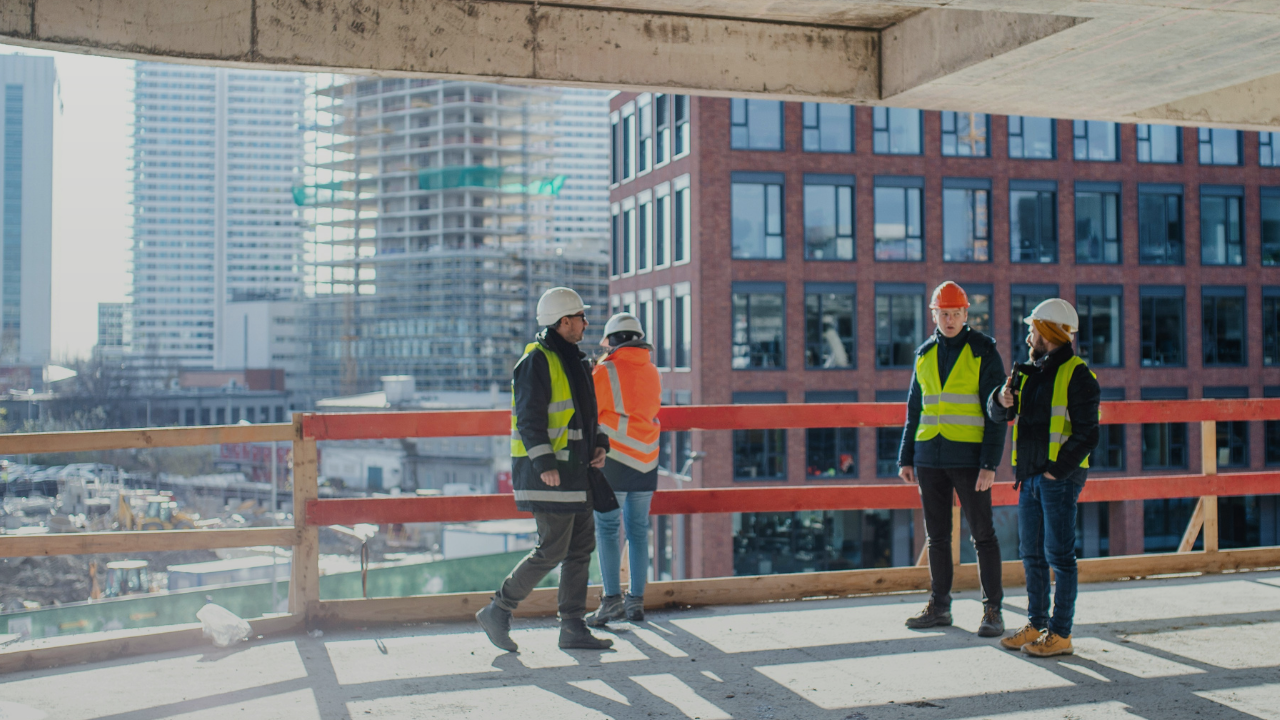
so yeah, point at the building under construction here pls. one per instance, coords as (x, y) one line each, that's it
(431, 205)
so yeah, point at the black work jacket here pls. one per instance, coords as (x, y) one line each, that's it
(531, 390)
(1032, 445)
(939, 452)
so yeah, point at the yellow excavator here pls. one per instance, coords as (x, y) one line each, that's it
(154, 512)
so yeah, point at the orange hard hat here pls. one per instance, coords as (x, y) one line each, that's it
(949, 295)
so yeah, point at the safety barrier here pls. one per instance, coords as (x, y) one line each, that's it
(310, 512)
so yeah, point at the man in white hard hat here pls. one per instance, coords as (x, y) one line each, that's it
(555, 440)
(1055, 400)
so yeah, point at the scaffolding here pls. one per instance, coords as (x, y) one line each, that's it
(428, 245)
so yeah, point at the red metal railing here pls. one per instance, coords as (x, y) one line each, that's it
(768, 499)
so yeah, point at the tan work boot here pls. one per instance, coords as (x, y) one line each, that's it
(1028, 634)
(1048, 645)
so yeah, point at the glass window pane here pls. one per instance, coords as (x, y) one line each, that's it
(1270, 230)
(764, 124)
(829, 331)
(748, 209)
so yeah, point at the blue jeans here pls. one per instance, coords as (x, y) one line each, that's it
(633, 510)
(1047, 538)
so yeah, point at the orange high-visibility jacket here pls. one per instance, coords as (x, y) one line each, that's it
(629, 393)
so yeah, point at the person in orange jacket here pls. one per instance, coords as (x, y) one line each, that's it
(628, 390)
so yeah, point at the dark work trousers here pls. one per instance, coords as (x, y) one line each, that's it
(936, 485)
(567, 538)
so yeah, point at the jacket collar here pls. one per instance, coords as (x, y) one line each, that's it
(641, 344)
(1062, 354)
(551, 340)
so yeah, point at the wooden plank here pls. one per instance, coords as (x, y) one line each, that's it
(1208, 447)
(955, 532)
(98, 647)
(145, 541)
(91, 440)
(1210, 503)
(1156, 411)
(1193, 528)
(1157, 487)
(795, 586)
(304, 585)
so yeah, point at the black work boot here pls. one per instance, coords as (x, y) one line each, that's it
(932, 616)
(497, 625)
(635, 608)
(574, 634)
(610, 609)
(992, 622)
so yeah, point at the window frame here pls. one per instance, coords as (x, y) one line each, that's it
(746, 105)
(644, 134)
(821, 291)
(615, 146)
(1081, 131)
(682, 328)
(1167, 193)
(1147, 140)
(1153, 293)
(629, 142)
(1227, 193)
(779, 440)
(954, 133)
(1268, 197)
(1271, 326)
(644, 232)
(816, 126)
(749, 290)
(661, 129)
(1104, 191)
(681, 137)
(615, 236)
(1268, 140)
(628, 237)
(1042, 188)
(972, 187)
(1212, 294)
(832, 396)
(892, 290)
(1205, 138)
(1223, 428)
(1166, 393)
(838, 182)
(681, 221)
(879, 113)
(663, 351)
(1021, 136)
(909, 186)
(1088, 292)
(768, 181)
(662, 241)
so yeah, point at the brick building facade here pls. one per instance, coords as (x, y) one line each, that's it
(806, 250)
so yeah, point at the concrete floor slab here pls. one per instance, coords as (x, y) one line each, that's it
(296, 705)
(521, 701)
(1235, 647)
(776, 630)
(883, 679)
(1096, 711)
(374, 659)
(1260, 701)
(1226, 597)
(1128, 659)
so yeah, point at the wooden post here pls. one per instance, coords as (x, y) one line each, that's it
(1209, 466)
(1210, 503)
(955, 532)
(304, 585)
(1193, 528)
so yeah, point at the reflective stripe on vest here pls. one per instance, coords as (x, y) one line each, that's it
(637, 453)
(559, 412)
(1059, 417)
(953, 410)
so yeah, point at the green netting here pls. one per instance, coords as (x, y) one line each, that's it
(479, 176)
(321, 193)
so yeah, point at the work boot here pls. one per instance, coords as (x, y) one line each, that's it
(497, 625)
(574, 634)
(1049, 644)
(610, 609)
(992, 622)
(931, 616)
(1026, 635)
(635, 608)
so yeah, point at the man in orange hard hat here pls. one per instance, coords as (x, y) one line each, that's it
(950, 445)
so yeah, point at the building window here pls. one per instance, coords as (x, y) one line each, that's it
(615, 231)
(661, 230)
(1108, 456)
(1271, 326)
(899, 230)
(1220, 147)
(1033, 224)
(628, 239)
(830, 325)
(1269, 149)
(1270, 428)
(1221, 240)
(1022, 300)
(662, 333)
(759, 454)
(899, 324)
(1164, 445)
(756, 204)
(979, 306)
(644, 149)
(888, 439)
(1162, 326)
(1232, 435)
(644, 235)
(965, 134)
(758, 318)
(1270, 211)
(628, 142)
(755, 124)
(1223, 323)
(644, 313)
(681, 224)
(966, 220)
(680, 110)
(1159, 144)
(828, 217)
(1101, 325)
(1031, 138)
(615, 159)
(1097, 224)
(682, 328)
(828, 127)
(662, 128)
(1159, 226)
(897, 131)
(1097, 140)
(831, 452)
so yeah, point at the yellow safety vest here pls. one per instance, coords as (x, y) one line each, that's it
(1059, 418)
(953, 410)
(559, 411)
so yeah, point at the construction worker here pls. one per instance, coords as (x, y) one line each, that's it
(630, 392)
(948, 445)
(554, 441)
(1055, 400)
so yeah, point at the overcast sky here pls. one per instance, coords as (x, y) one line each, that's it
(91, 179)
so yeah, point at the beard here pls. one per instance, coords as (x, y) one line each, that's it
(1039, 349)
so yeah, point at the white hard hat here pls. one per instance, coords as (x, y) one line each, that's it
(1056, 310)
(557, 303)
(623, 322)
